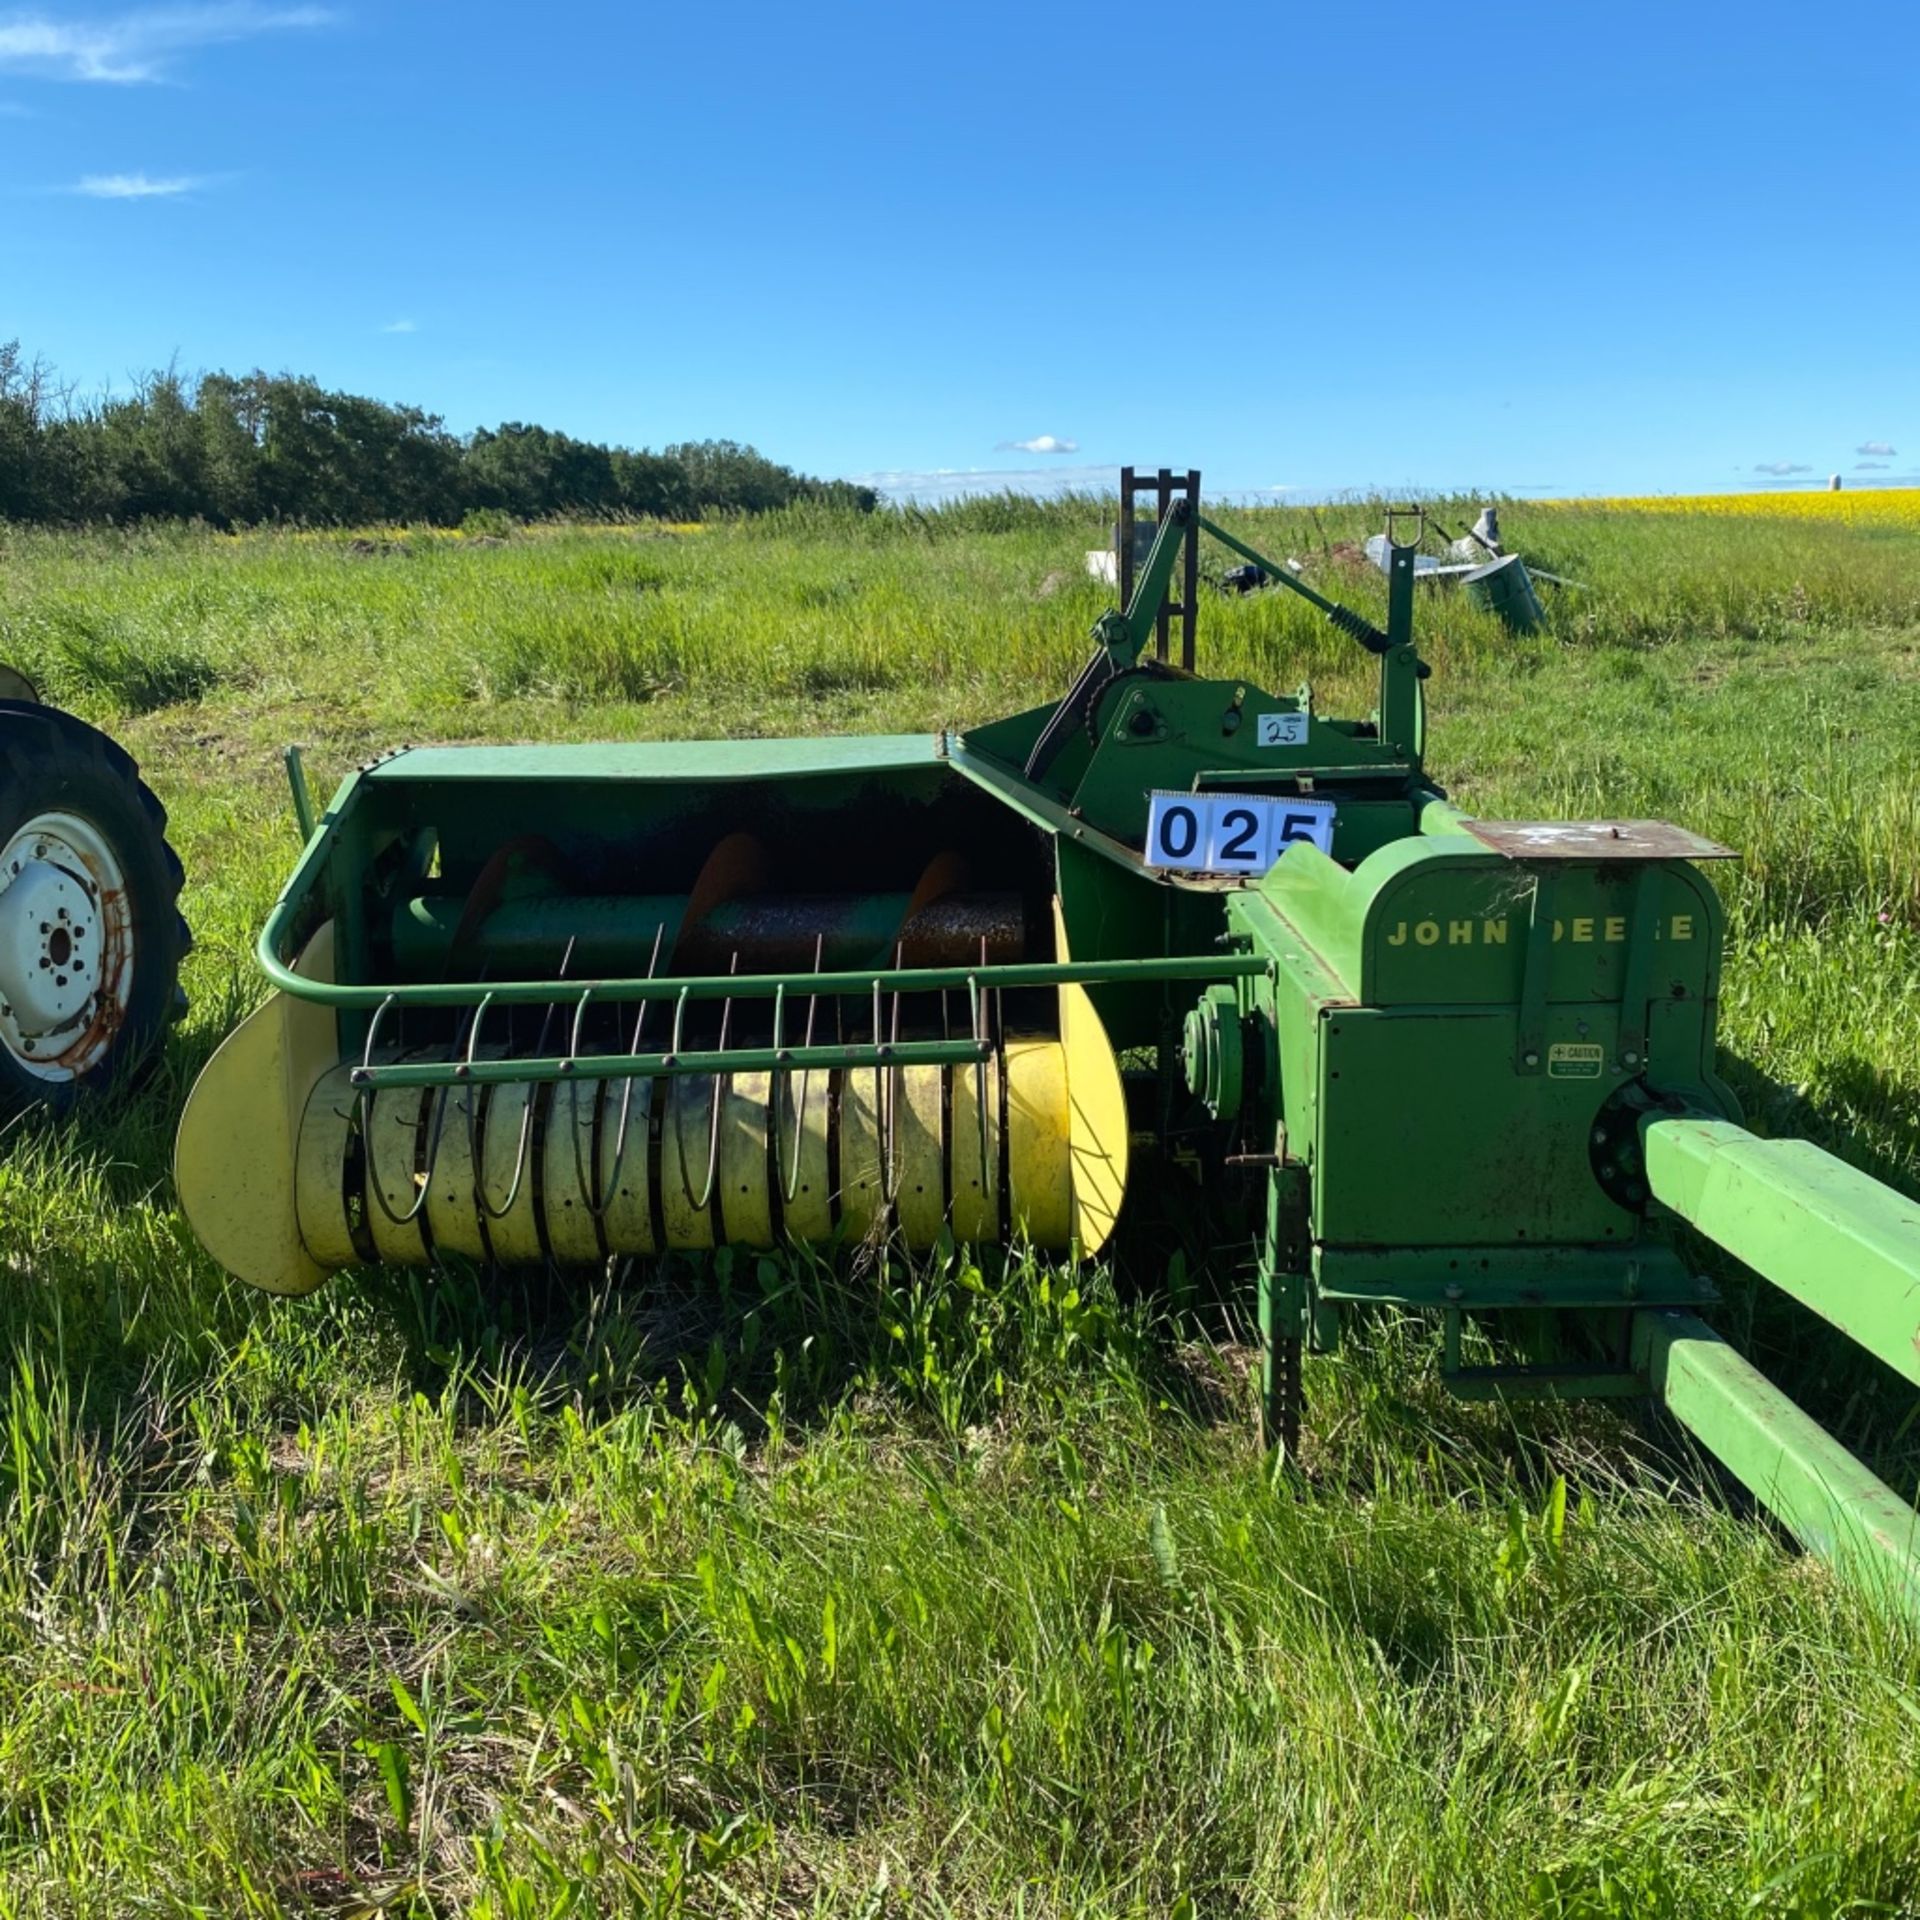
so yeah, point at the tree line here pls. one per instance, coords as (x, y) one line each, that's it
(246, 450)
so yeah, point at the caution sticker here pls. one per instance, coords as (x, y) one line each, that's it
(1575, 1060)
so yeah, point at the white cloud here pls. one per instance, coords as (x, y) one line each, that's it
(401, 326)
(952, 483)
(1781, 468)
(1040, 443)
(1875, 450)
(1870, 466)
(127, 48)
(135, 186)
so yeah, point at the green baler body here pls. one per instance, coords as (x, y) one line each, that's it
(1448, 1064)
(1440, 1072)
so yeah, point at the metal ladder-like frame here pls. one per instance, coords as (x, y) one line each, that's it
(1165, 487)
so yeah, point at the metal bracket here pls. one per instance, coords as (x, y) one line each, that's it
(303, 812)
(1636, 984)
(1530, 1037)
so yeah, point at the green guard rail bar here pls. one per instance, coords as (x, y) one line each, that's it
(676, 1062)
(758, 986)
(1825, 1232)
(275, 950)
(1841, 1244)
(1835, 1506)
(670, 1065)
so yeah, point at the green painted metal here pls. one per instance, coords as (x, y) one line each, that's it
(663, 762)
(1128, 726)
(1591, 1376)
(303, 812)
(1468, 1044)
(1120, 637)
(1128, 636)
(1108, 909)
(1215, 1051)
(1357, 626)
(540, 1071)
(745, 986)
(610, 934)
(1563, 1277)
(1401, 713)
(1839, 1242)
(1839, 1510)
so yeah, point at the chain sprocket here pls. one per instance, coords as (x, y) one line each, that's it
(1144, 670)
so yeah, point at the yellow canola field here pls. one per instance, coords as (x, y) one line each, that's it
(1869, 507)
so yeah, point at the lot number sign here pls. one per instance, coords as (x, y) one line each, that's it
(1231, 832)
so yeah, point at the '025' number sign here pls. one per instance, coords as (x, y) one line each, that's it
(1231, 832)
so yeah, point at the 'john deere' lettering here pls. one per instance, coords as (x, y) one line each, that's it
(1581, 931)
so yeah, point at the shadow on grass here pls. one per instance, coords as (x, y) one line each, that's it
(795, 1339)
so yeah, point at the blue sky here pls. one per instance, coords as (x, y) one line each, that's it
(1614, 247)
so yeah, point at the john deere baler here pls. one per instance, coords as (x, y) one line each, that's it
(556, 1004)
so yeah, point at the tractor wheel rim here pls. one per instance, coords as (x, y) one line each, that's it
(66, 946)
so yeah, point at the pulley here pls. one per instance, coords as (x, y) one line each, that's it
(1214, 1051)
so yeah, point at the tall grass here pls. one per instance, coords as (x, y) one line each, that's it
(777, 1587)
(931, 601)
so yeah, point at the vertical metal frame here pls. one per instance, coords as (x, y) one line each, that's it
(1165, 488)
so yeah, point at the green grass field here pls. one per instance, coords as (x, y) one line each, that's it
(770, 1589)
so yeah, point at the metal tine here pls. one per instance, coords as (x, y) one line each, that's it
(777, 1082)
(597, 1209)
(999, 1025)
(373, 1029)
(364, 1095)
(980, 1067)
(890, 1105)
(945, 1148)
(473, 1100)
(880, 1095)
(579, 1014)
(363, 1118)
(704, 1199)
(436, 1134)
(790, 1177)
(526, 1117)
(473, 1032)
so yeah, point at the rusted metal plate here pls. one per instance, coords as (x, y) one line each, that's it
(1595, 840)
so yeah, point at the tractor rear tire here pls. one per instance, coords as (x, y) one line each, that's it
(91, 940)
